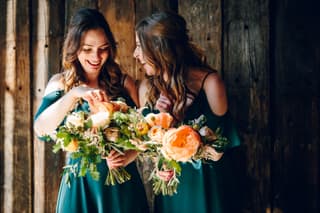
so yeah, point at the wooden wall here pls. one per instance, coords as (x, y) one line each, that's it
(268, 56)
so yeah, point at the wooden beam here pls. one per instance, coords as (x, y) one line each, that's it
(247, 75)
(17, 122)
(3, 43)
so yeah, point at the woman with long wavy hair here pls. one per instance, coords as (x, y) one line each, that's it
(179, 81)
(91, 73)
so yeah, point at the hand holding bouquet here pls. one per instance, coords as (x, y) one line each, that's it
(92, 136)
(180, 144)
(213, 142)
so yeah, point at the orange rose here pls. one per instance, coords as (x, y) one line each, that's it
(162, 119)
(72, 146)
(180, 144)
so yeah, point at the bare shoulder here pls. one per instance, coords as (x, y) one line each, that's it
(131, 88)
(213, 81)
(215, 91)
(129, 82)
(55, 83)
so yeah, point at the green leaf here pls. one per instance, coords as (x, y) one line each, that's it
(56, 147)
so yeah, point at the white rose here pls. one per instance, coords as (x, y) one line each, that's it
(74, 120)
(100, 119)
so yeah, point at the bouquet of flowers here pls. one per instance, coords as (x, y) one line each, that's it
(168, 146)
(91, 136)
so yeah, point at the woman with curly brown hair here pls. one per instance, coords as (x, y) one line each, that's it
(91, 73)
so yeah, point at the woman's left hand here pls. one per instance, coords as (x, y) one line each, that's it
(116, 159)
(163, 104)
(211, 153)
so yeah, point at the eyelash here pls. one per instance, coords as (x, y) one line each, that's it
(100, 49)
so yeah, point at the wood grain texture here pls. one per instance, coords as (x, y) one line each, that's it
(246, 73)
(47, 38)
(120, 16)
(3, 24)
(18, 174)
(204, 23)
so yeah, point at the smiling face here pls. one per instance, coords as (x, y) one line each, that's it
(138, 54)
(93, 52)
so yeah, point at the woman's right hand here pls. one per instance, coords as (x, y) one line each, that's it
(89, 94)
(165, 175)
(116, 159)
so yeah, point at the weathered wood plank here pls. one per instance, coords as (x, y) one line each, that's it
(47, 39)
(18, 178)
(10, 58)
(71, 6)
(246, 73)
(204, 23)
(3, 24)
(120, 16)
(147, 7)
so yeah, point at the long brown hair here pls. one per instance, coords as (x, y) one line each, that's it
(110, 76)
(166, 46)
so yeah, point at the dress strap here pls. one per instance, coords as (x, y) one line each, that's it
(205, 77)
(123, 79)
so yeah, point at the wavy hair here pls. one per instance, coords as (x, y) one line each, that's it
(167, 47)
(110, 76)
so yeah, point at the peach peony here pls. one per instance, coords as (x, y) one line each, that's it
(162, 119)
(156, 134)
(180, 144)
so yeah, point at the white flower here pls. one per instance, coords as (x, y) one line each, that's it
(74, 120)
(100, 119)
(208, 133)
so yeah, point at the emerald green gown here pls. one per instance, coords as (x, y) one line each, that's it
(87, 195)
(210, 187)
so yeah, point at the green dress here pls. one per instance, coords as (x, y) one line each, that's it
(206, 187)
(88, 195)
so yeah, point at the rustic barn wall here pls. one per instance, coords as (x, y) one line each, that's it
(268, 56)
